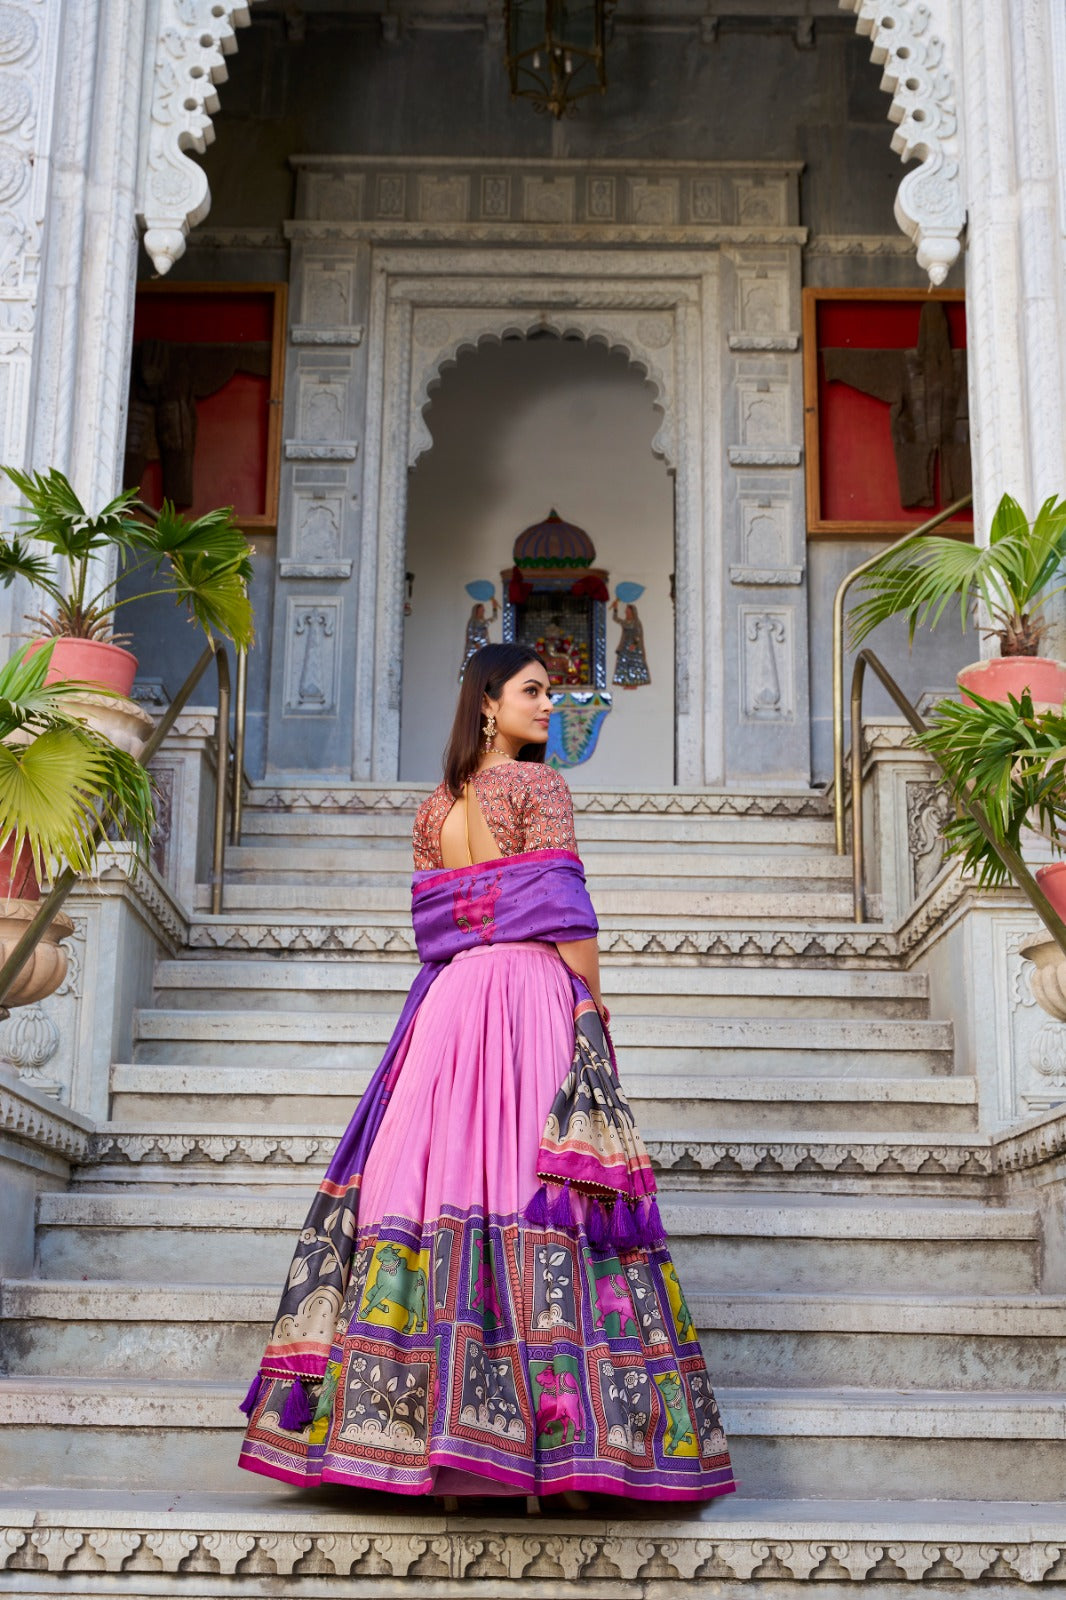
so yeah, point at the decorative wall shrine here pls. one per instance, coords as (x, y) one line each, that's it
(556, 601)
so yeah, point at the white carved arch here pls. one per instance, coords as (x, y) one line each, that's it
(438, 343)
(917, 74)
(194, 37)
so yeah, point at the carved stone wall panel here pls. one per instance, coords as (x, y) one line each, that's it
(762, 296)
(312, 655)
(655, 200)
(548, 199)
(443, 199)
(763, 413)
(928, 810)
(765, 527)
(322, 405)
(328, 293)
(767, 679)
(336, 195)
(762, 201)
(318, 522)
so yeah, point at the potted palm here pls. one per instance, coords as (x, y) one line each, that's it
(1009, 757)
(1011, 578)
(63, 787)
(203, 563)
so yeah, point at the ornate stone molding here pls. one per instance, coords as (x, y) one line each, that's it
(833, 246)
(366, 799)
(448, 1554)
(194, 37)
(929, 205)
(48, 1126)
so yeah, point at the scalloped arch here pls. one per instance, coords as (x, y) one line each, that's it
(917, 74)
(444, 352)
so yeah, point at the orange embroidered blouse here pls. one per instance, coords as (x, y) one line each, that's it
(526, 805)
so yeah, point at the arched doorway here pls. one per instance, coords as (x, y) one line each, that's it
(520, 425)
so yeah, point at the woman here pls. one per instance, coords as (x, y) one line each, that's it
(481, 1299)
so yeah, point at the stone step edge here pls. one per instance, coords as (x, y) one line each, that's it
(870, 1219)
(845, 1413)
(633, 1029)
(146, 1077)
(246, 973)
(733, 1539)
(1009, 1316)
(889, 1154)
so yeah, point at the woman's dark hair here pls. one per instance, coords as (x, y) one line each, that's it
(486, 673)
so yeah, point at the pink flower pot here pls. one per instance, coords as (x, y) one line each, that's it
(1052, 879)
(1003, 676)
(91, 661)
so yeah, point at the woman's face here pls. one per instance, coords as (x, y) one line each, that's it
(523, 709)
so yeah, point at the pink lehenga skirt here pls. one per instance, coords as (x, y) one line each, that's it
(478, 1353)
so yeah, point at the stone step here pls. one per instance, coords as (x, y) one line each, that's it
(636, 868)
(358, 985)
(737, 1243)
(325, 1098)
(944, 1164)
(652, 1044)
(692, 828)
(828, 1442)
(963, 1343)
(267, 1540)
(653, 906)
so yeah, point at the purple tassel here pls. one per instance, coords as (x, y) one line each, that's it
(623, 1229)
(536, 1213)
(596, 1226)
(562, 1212)
(653, 1225)
(296, 1413)
(251, 1399)
(649, 1224)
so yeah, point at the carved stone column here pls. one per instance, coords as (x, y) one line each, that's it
(320, 555)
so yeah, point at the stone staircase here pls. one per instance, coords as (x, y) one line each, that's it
(888, 1367)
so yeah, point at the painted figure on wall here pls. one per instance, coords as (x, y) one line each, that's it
(630, 662)
(482, 592)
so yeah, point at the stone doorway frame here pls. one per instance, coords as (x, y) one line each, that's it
(426, 307)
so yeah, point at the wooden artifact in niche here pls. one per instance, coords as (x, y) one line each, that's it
(885, 413)
(206, 380)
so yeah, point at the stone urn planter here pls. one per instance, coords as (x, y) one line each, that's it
(47, 966)
(114, 714)
(1048, 978)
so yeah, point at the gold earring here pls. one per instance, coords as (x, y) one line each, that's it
(490, 731)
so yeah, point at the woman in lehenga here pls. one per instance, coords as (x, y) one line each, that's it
(482, 1300)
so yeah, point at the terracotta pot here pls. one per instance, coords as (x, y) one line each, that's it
(1052, 879)
(1002, 676)
(47, 966)
(21, 884)
(91, 661)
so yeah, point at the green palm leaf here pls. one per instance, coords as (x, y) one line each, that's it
(1009, 576)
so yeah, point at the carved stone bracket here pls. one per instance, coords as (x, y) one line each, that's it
(929, 205)
(194, 38)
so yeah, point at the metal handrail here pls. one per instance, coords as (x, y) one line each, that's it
(51, 904)
(1010, 857)
(838, 656)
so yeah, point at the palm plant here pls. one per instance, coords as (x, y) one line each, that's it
(203, 562)
(1010, 760)
(1010, 577)
(63, 786)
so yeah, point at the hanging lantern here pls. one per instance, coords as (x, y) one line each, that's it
(555, 52)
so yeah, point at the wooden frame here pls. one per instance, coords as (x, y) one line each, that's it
(265, 521)
(819, 523)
